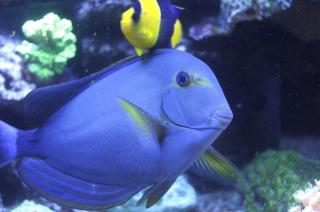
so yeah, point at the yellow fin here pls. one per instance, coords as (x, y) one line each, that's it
(139, 51)
(147, 125)
(216, 167)
(177, 34)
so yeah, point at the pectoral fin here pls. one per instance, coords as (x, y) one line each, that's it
(149, 128)
(153, 194)
(214, 166)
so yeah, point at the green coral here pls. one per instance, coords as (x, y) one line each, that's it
(50, 44)
(273, 178)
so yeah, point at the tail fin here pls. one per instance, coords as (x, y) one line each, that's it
(8, 146)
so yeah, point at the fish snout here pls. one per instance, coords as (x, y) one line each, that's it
(221, 117)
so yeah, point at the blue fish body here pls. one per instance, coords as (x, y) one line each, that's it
(139, 124)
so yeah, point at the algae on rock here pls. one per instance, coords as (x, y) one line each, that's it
(274, 176)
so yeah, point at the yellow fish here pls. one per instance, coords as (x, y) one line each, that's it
(152, 24)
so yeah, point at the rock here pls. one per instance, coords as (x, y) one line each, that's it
(302, 20)
(98, 53)
(307, 146)
(100, 36)
(235, 11)
(12, 191)
(2, 209)
(89, 8)
(92, 7)
(220, 201)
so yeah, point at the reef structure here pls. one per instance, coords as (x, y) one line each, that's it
(13, 83)
(235, 11)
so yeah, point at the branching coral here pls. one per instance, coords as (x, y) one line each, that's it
(274, 176)
(308, 199)
(50, 44)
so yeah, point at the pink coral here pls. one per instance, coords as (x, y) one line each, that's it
(308, 200)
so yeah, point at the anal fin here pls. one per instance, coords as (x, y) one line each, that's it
(70, 191)
(153, 194)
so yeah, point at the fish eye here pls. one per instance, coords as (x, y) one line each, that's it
(183, 79)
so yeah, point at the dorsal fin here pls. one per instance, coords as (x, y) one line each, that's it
(177, 11)
(169, 15)
(137, 11)
(40, 104)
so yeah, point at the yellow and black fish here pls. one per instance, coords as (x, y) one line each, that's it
(152, 24)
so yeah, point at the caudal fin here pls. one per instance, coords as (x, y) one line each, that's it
(8, 146)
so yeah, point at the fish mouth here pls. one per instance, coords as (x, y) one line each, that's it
(218, 120)
(167, 119)
(221, 117)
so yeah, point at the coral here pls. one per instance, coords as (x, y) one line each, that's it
(218, 201)
(308, 199)
(201, 30)
(30, 206)
(266, 8)
(273, 178)
(13, 86)
(90, 7)
(234, 11)
(51, 44)
(180, 197)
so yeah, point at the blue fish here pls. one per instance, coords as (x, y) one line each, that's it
(95, 142)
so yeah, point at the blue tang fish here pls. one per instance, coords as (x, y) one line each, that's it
(95, 142)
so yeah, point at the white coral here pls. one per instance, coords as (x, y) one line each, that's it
(12, 84)
(30, 206)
